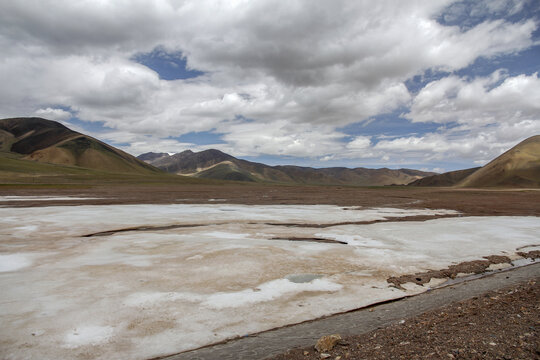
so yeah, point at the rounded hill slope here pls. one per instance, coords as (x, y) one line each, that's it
(518, 167)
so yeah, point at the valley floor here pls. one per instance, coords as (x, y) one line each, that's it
(474, 202)
(145, 271)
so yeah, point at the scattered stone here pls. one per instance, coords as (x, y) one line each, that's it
(500, 324)
(327, 343)
(325, 356)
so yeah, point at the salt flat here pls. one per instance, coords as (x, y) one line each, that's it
(171, 286)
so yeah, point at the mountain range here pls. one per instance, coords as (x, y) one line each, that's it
(214, 164)
(35, 146)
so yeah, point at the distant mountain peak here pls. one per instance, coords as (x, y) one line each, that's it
(215, 164)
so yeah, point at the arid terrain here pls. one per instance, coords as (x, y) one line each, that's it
(513, 207)
(501, 324)
(472, 202)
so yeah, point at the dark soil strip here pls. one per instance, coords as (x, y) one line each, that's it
(389, 219)
(319, 240)
(526, 246)
(535, 254)
(178, 226)
(144, 228)
(467, 267)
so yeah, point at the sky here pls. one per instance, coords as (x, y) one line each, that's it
(435, 85)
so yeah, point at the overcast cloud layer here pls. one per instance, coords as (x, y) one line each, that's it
(302, 79)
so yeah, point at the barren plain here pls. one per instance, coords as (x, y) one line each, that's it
(147, 271)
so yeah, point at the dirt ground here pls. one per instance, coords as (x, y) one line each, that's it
(468, 201)
(502, 324)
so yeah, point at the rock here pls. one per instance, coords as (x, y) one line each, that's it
(327, 343)
(325, 356)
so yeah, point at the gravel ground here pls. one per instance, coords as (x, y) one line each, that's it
(502, 324)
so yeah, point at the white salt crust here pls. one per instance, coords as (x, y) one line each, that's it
(144, 294)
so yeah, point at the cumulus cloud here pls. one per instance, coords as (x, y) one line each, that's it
(279, 78)
(53, 114)
(359, 142)
(480, 118)
(496, 99)
(478, 147)
(282, 138)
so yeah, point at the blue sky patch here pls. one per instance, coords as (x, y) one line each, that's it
(468, 14)
(200, 138)
(525, 62)
(89, 126)
(389, 125)
(169, 65)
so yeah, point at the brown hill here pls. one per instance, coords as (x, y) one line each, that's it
(48, 141)
(518, 167)
(450, 178)
(214, 164)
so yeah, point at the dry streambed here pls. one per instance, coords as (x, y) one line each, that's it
(146, 282)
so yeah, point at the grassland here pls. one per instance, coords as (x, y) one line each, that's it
(18, 172)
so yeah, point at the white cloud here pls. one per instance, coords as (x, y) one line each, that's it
(485, 116)
(298, 70)
(477, 145)
(53, 114)
(359, 142)
(282, 138)
(496, 99)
